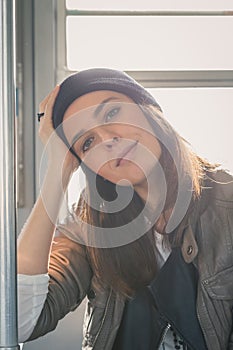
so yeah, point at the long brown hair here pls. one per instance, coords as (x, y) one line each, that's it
(129, 267)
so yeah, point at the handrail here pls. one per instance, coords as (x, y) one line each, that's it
(8, 295)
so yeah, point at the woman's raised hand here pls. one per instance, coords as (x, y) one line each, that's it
(58, 152)
(46, 106)
(35, 239)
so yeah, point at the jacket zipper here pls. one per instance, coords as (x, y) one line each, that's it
(186, 343)
(164, 334)
(169, 325)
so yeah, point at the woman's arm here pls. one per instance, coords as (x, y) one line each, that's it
(32, 292)
(34, 241)
(70, 277)
(69, 272)
(69, 280)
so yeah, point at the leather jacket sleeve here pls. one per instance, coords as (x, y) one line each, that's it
(70, 277)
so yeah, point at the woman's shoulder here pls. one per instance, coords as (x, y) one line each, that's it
(219, 184)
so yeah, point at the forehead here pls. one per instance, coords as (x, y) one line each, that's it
(93, 99)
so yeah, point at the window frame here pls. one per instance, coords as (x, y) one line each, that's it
(152, 78)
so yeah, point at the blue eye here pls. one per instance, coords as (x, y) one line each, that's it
(111, 113)
(87, 143)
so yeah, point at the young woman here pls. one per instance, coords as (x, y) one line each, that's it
(149, 241)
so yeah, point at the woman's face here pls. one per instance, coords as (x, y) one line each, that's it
(112, 136)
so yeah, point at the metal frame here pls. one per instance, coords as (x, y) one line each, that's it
(151, 13)
(8, 294)
(184, 79)
(25, 110)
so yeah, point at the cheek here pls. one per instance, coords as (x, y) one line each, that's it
(150, 150)
(156, 150)
(93, 163)
(97, 161)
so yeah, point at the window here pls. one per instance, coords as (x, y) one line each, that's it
(149, 42)
(204, 117)
(181, 52)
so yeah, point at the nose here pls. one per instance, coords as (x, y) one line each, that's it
(110, 143)
(108, 138)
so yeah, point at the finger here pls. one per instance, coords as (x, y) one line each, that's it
(44, 102)
(51, 99)
(49, 107)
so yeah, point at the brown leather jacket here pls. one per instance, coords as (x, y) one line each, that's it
(207, 243)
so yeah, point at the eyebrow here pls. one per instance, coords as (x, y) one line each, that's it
(76, 137)
(97, 111)
(102, 104)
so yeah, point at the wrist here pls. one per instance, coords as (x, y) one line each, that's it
(57, 175)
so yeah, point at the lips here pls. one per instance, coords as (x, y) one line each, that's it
(125, 152)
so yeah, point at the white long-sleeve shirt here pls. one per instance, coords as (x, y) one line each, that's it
(32, 292)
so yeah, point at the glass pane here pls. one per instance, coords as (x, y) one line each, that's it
(150, 43)
(149, 5)
(204, 117)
